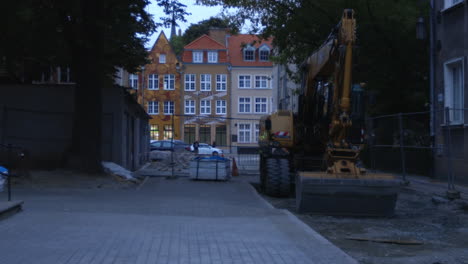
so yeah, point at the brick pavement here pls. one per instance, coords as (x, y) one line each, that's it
(164, 221)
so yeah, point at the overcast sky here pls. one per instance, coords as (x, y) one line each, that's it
(198, 13)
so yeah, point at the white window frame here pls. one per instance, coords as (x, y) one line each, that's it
(221, 82)
(205, 82)
(162, 58)
(266, 49)
(190, 82)
(221, 108)
(244, 80)
(153, 82)
(169, 107)
(259, 79)
(190, 107)
(248, 48)
(169, 81)
(256, 131)
(247, 103)
(153, 107)
(454, 99)
(213, 56)
(449, 3)
(133, 80)
(205, 107)
(265, 103)
(244, 132)
(68, 74)
(197, 56)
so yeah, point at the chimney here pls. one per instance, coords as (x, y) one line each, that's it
(218, 34)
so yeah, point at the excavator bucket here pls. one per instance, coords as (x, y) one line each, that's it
(371, 194)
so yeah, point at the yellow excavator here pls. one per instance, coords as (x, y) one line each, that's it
(314, 150)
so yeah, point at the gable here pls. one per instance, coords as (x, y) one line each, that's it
(205, 42)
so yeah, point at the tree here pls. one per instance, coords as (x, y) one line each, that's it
(175, 11)
(390, 59)
(94, 37)
(194, 31)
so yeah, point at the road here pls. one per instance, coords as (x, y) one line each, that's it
(162, 221)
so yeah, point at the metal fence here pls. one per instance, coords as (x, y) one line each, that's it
(421, 143)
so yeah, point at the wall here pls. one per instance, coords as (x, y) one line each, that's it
(451, 42)
(39, 119)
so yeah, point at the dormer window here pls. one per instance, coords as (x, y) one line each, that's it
(197, 56)
(264, 53)
(212, 56)
(249, 53)
(162, 58)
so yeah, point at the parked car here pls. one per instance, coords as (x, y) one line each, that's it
(204, 148)
(169, 145)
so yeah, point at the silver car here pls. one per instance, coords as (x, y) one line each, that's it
(207, 149)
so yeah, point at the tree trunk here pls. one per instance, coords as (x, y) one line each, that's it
(90, 78)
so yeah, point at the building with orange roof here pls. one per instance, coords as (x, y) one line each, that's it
(206, 91)
(251, 86)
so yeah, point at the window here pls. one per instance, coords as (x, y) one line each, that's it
(212, 56)
(205, 82)
(168, 132)
(205, 133)
(221, 82)
(133, 81)
(454, 83)
(153, 107)
(154, 132)
(64, 75)
(162, 58)
(168, 108)
(249, 53)
(221, 135)
(190, 107)
(261, 82)
(189, 133)
(169, 81)
(244, 133)
(189, 82)
(205, 107)
(261, 105)
(450, 3)
(244, 81)
(244, 105)
(257, 131)
(220, 107)
(153, 82)
(264, 53)
(197, 56)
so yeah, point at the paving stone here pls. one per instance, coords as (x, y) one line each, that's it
(164, 221)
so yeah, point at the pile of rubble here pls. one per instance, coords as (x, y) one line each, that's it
(161, 162)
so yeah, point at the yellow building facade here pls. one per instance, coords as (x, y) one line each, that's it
(159, 90)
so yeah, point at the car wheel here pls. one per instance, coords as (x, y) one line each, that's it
(215, 153)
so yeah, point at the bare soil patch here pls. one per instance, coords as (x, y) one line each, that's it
(439, 228)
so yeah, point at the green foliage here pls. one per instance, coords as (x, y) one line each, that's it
(388, 57)
(177, 44)
(175, 12)
(197, 30)
(54, 31)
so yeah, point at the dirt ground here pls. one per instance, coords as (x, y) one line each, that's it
(438, 226)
